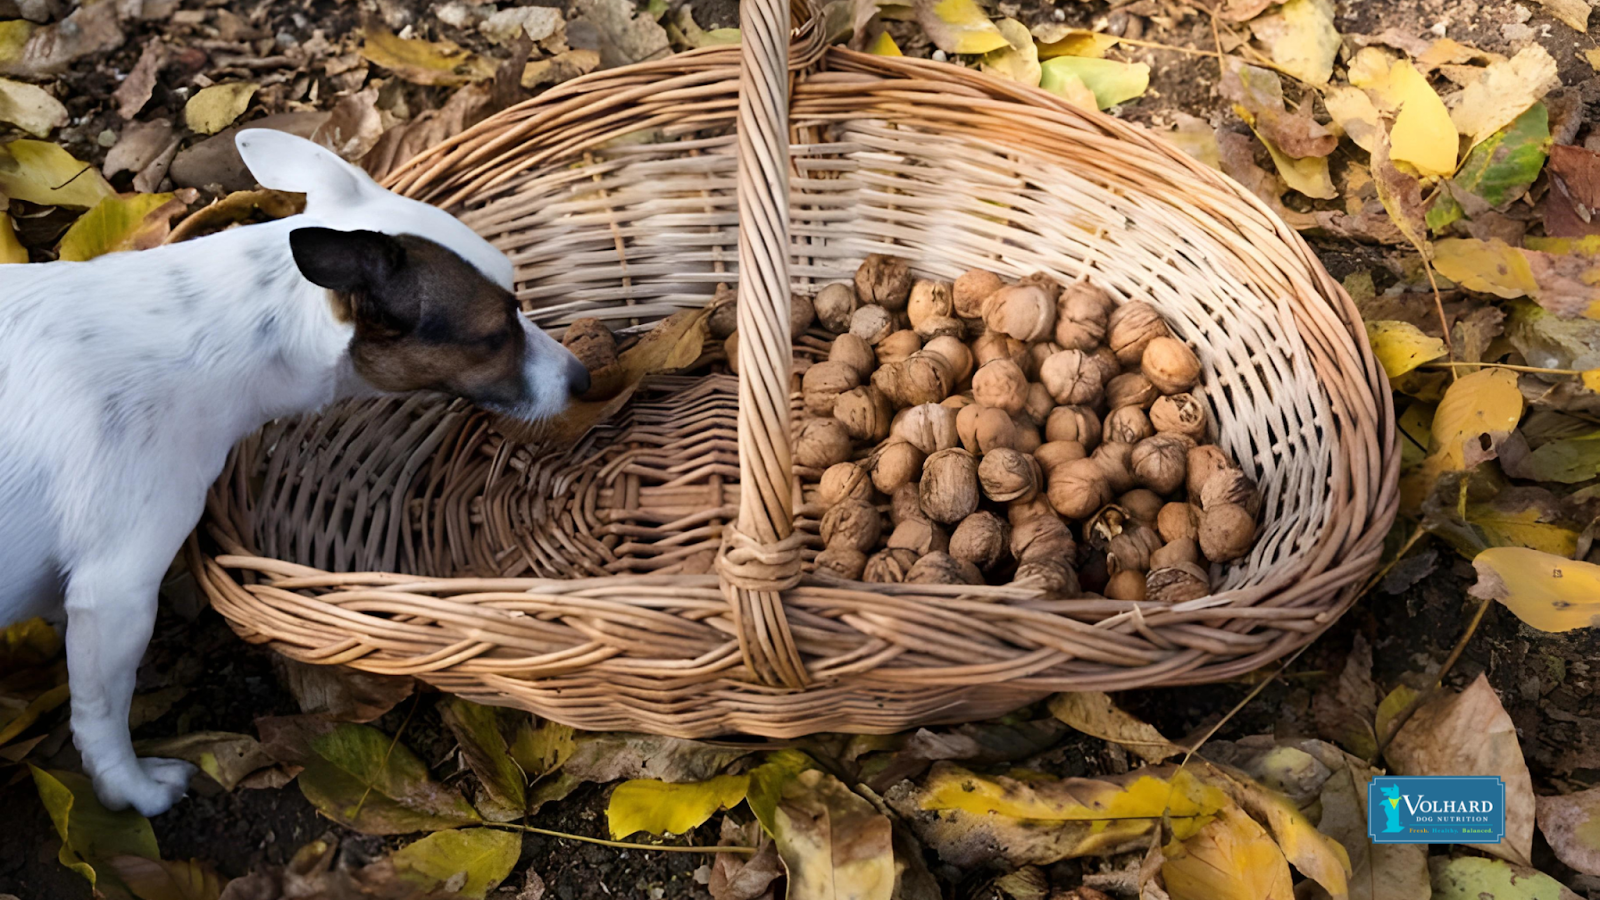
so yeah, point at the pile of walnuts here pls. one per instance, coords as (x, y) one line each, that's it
(983, 432)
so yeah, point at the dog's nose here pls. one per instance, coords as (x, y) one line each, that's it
(577, 378)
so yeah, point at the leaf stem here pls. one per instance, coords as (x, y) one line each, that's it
(623, 845)
(1493, 365)
(1404, 715)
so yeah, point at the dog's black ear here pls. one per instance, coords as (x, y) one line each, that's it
(345, 260)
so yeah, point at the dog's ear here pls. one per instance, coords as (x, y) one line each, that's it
(282, 162)
(346, 260)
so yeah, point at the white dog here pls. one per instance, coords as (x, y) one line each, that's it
(125, 380)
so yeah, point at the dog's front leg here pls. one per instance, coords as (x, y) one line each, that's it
(111, 612)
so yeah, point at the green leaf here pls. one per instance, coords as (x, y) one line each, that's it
(91, 835)
(117, 224)
(1502, 167)
(468, 863)
(362, 778)
(1475, 878)
(1565, 461)
(661, 808)
(541, 748)
(479, 731)
(42, 173)
(1110, 81)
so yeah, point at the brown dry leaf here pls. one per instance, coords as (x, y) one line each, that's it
(399, 144)
(1470, 734)
(353, 127)
(162, 879)
(1352, 110)
(1502, 92)
(135, 90)
(738, 877)
(834, 844)
(1401, 195)
(91, 28)
(561, 67)
(1237, 154)
(425, 62)
(341, 693)
(627, 35)
(1346, 713)
(226, 757)
(1574, 192)
(1571, 823)
(242, 206)
(1231, 858)
(145, 149)
(1301, 37)
(1093, 713)
(1243, 10)
(1258, 96)
(1377, 871)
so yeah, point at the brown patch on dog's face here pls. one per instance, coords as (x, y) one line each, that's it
(425, 319)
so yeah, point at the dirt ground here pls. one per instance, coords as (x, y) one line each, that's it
(213, 681)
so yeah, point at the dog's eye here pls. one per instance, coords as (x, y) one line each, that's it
(493, 341)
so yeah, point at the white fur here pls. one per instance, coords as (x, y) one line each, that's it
(125, 380)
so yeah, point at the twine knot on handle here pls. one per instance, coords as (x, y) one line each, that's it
(753, 573)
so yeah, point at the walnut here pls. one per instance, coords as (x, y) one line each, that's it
(1036, 409)
(1043, 537)
(844, 481)
(591, 342)
(1078, 488)
(1107, 362)
(896, 462)
(1073, 423)
(871, 323)
(1084, 300)
(1025, 312)
(1042, 280)
(884, 280)
(897, 347)
(1231, 486)
(1131, 549)
(1081, 313)
(889, 566)
(1127, 584)
(1108, 522)
(929, 427)
(942, 568)
(941, 326)
(730, 349)
(1204, 462)
(1001, 384)
(843, 561)
(1127, 425)
(1116, 463)
(1160, 463)
(920, 535)
(924, 378)
(1057, 452)
(1131, 389)
(1181, 414)
(981, 539)
(949, 491)
(1007, 475)
(1037, 354)
(1170, 365)
(1028, 439)
(820, 443)
(958, 402)
(984, 428)
(1178, 521)
(852, 523)
(905, 504)
(993, 345)
(971, 289)
(1019, 511)
(1131, 327)
(801, 314)
(955, 354)
(929, 299)
(835, 304)
(824, 382)
(864, 412)
(1071, 379)
(1143, 505)
(1226, 532)
(855, 353)
(1182, 550)
(724, 318)
(1054, 578)
(1177, 583)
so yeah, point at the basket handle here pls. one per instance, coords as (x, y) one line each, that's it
(761, 551)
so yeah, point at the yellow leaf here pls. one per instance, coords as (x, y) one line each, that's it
(1369, 70)
(30, 714)
(90, 834)
(468, 863)
(1110, 81)
(1591, 379)
(1061, 41)
(661, 808)
(959, 26)
(834, 844)
(1309, 176)
(1546, 591)
(14, 34)
(1196, 137)
(30, 107)
(884, 46)
(42, 173)
(1490, 267)
(1503, 92)
(116, 224)
(1485, 402)
(1232, 858)
(1592, 57)
(1401, 346)
(1094, 714)
(214, 108)
(1353, 112)
(1179, 794)
(11, 250)
(1575, 13)
(1423, 134)
(1317, 856)
(425, 62)
(1018, 62)
(1391, 706)
(1301, 37)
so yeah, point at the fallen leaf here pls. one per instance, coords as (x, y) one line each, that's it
(336, 692)
(28, 644)
(1110, 81)
(542, 748)
(1401, 196)
(1548, 592)
(91, 28)
(216, 107)
(1566, 284)
(30, 108)
(1197, 138)
(536, 22)
(1575, 13)
(362, 778)
(1377, 871)
(468, 863)
(1347, 713)
(661, 808)
(1068, 87)
(425, 62)
(1093, 713)
(1315, 855)
(1352, 110)
(1564, 461)
(959, 26)
(884, 45)
(833, 843)
(1470, 734)
(626, 35)
(135, 90)
(354, 124)
(1055, 39)
(14, 721)
(14, 34)
(1500, 169)
(160, 879)
(1513, 517)
(226, 757)
(1483, 404)
(1231, 858)
(561, 67)
(91, 835)
(139, 146)
(1258, 96)
(480, 731)
(736, 877)
(1401, 346)
(1242, 10)
(1571, 823)
(11, 250)
(1502, 92)
(1018, 62)
(1474, 878)
(1309, 176)
(1301, 38)
(43, 173)
(908, 755)
(123, 223)
(1574, 192)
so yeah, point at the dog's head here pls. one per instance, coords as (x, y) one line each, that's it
(430, 300)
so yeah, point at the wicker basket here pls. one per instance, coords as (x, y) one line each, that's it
(654, 576)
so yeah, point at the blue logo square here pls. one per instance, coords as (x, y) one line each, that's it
(1436, 809)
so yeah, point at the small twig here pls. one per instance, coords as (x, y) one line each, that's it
(1495, 365)
(393, 743)
(624, 845)
(1404, 716)
(1438, 303)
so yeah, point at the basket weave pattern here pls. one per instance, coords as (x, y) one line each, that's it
(652, 576)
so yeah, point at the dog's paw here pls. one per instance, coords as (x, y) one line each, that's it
(151, 787)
